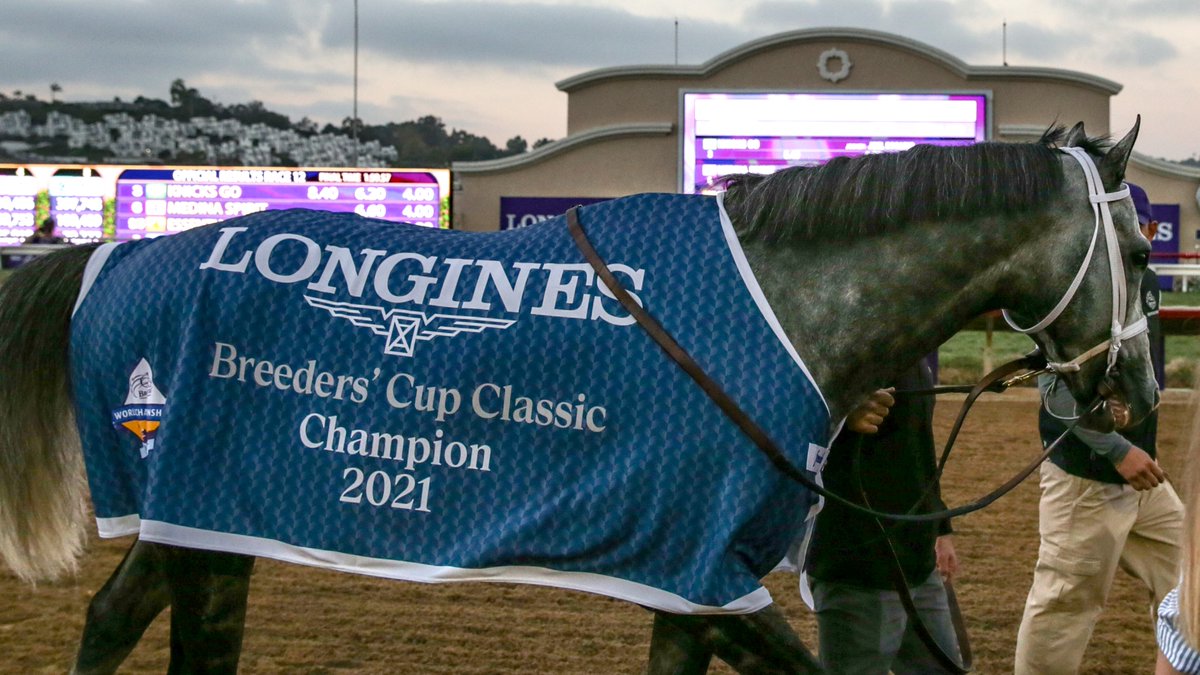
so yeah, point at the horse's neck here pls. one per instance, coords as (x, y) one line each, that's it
(861, 312)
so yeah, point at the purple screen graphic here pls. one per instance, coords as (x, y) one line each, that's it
(741, 132)
(18, 208)
(154, 202)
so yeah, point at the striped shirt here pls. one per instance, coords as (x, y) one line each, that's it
(1179, 653)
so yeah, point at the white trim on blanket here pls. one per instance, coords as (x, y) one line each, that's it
(739, 257)
(178, 535)
(123, 526)
(95, 263)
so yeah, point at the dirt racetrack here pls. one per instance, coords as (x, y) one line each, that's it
(304, 620)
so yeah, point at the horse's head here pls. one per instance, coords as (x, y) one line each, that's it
(1089, 321)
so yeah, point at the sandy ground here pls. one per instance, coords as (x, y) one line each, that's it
(304, 620)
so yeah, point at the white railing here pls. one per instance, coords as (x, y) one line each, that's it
(1183, 271)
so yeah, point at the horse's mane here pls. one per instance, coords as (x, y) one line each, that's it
(873, 194)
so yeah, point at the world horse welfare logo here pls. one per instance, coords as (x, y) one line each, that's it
(143, 409)
(403, 328)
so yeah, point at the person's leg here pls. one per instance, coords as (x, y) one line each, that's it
(1083, 526)
(1151, 552)
(857, 633)
(914, 657)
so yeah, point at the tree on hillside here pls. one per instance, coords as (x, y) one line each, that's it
(426, 142)
(516, 145)
(189, 101)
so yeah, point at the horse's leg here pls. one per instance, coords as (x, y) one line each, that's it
(762, 642)
(120, 612)
(677, 647)
(208, 593)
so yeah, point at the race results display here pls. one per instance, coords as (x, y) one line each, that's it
(18, 208)
(77, 203)
(154, 202)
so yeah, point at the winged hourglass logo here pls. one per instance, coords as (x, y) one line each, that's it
(403, 328)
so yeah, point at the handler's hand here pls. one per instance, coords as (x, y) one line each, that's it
(866, 418)
(1140, 469)
(947, 559)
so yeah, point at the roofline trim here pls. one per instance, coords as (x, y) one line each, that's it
(745, 50)
(564, 145)
(1165, 167)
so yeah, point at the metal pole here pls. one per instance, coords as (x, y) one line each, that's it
(354, 119)
(1003, 42)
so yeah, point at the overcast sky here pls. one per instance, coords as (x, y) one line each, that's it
(489, 66)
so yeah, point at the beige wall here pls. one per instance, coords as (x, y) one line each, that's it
(630, 99)
(1040, 104)
(605, 169)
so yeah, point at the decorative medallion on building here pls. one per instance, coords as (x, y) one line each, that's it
(841, 57)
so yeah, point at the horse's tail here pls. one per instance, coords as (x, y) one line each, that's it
(43, 489)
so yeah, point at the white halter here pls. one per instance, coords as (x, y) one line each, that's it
(1119, 332)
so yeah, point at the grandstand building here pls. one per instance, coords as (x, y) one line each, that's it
(630, 130)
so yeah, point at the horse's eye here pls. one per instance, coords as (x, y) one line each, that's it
(1141, 259)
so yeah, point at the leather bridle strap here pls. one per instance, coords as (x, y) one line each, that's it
(1103, 222)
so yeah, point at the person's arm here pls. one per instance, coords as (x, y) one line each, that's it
(946, 557)
(1134, 464)
(866, 418)
(1164, 667)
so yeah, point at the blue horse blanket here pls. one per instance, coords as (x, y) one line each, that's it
(439, 405)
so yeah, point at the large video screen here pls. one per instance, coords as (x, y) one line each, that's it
(735, 132)
(79, 198)
(153, 202)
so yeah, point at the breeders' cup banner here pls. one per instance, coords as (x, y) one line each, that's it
(1166, 239)
(525, 211)
(433, 405)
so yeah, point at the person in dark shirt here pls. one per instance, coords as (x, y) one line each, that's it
(862, 626)
(44, 234)
(1105, 504)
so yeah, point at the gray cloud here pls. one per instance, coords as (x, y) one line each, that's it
(1093, 12)
(526, 34)
(1041, 45)
(1140, 49)
(941, 24)
(128, 47)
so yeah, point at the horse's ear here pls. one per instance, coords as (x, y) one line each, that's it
(1076, 136)
(1112, 167)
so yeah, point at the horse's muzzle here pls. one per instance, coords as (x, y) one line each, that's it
(1118, 410)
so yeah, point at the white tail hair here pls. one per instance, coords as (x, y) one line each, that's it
(43, 489)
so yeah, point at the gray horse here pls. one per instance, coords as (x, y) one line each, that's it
(868, 263)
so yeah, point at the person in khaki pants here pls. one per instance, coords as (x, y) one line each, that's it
(1105, 504)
